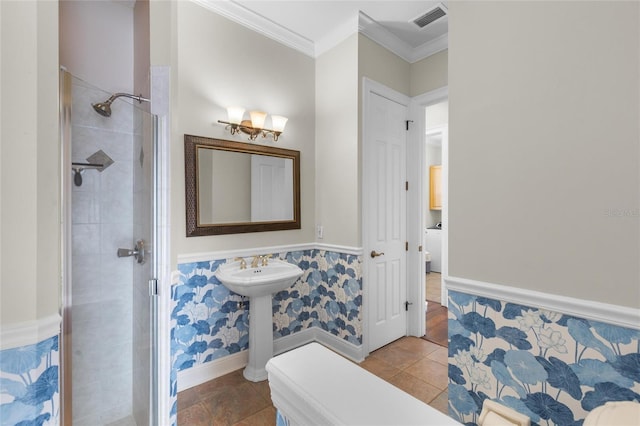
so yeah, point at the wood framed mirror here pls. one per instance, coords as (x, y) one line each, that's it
(236, 187)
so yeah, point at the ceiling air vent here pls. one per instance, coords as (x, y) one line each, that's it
(432, 15)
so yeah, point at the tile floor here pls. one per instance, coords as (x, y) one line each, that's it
(414, 365)
(433, 287)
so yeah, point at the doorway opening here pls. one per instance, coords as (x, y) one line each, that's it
(428, 136)
(436, 118)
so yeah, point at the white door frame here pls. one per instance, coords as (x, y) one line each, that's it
(416, 172)
(369, 87)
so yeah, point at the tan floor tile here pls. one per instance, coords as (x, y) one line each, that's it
(396, 356)
(440, 355)
(431, 372)
(195, 415)
(415, 387)
(232, 404)
(232, 379)
(266, 417)
(263, 389)
(416, 345)
(379, 367)
(189, 397)
(441, 403)
(433, 287)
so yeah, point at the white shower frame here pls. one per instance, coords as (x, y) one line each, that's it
(160, 107)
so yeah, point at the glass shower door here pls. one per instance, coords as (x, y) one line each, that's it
(108, 307)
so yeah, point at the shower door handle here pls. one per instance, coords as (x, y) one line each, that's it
(138, 252)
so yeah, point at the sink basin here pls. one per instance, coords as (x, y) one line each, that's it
(263, 280)
(259, 284)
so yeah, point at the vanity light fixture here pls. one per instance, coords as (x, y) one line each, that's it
(254, 126)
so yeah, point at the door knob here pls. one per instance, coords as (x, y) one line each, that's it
(138, 252)
(376, 254)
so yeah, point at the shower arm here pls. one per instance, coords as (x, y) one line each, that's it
(138, 98)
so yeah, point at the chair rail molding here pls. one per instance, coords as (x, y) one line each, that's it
(230, 254)
(29, 332)
(588, 309)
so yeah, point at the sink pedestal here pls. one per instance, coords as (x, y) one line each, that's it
(260, 337)
(258, 284)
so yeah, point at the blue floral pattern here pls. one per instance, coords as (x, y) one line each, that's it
(209, 322)
(29, 391)
(551, 367)
(328, 296)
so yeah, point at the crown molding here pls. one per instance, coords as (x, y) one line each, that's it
(430, 48)
(337, 35)
(364, 25)
(376, 32)
(390, 41)
(259, 24)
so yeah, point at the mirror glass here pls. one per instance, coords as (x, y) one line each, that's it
(235, 187)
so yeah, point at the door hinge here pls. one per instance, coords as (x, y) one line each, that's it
(153, 287)
(419, 248)
(406, 185)
(407, 123)
(406, 305)
(406, 246)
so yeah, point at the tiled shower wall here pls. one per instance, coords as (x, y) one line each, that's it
(209, 322)
(102, 217)
(554, 368)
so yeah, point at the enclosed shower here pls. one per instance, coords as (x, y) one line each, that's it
(108, 296)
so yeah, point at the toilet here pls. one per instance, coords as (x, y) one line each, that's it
(619, 413)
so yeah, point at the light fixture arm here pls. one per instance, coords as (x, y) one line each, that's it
(253, 132)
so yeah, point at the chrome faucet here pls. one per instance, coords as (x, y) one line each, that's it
(243, 263)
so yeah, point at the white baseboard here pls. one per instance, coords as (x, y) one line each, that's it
(202, 373)
(29, 332)
(315, 334)
(591, 310)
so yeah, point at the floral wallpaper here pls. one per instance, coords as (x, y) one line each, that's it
(328, 296)
(29, 391)
(209, 322)
(551, 367)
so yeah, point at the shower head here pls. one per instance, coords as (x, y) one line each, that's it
(104, 108)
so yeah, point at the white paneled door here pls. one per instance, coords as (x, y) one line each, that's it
(271, 188)
(385, 218)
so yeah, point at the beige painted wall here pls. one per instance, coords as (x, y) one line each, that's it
(544, 147)
(429, 74)
(29, 162)
(97, 43)
(381, 65)
(337, 169)
(141, 64)
(218, 63)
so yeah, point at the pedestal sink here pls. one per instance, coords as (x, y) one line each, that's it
(258, 283)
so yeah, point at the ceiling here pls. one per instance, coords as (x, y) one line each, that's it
(315, 26)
